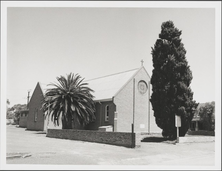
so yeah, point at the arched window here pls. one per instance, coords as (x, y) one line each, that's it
(36, 115)
(107, 113)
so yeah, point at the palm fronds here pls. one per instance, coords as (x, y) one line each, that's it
(70, 99)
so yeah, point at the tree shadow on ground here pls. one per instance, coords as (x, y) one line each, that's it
(158, 140)
(154, 139)
(40, 133)
(35, 132)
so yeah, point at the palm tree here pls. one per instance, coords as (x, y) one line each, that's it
(70, 99)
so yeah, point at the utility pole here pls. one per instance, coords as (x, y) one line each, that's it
(149, 107)
(133, 102)
(28, 99)
(132, 125)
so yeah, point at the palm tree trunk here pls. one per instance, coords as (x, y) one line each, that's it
(75, 121)
(66, 122)
(69, 123)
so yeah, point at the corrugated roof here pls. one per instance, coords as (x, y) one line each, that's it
(106, 87)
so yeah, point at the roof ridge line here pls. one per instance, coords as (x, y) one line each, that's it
(112, 74)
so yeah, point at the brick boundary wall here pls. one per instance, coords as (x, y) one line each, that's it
(196, 139)
(201, 132)
(114, 138)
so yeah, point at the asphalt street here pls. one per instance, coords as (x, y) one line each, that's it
(39, 149)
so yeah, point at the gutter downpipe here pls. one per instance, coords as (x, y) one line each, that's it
(149, 107)
(133, 137)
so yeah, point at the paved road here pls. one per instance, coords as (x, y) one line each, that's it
(44, 150)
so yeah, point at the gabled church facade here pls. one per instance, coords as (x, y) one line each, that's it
(122, 99)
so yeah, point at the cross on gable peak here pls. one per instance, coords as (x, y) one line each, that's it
(142, 62)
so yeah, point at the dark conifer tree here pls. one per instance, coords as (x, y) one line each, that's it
(170, 81)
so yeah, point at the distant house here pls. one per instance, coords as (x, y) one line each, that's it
(121, 99)
(197, 122)
(36, 120)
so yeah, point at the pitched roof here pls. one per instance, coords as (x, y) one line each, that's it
(43, 87)
(105, 88)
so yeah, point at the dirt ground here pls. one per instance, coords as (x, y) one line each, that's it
(42, 150)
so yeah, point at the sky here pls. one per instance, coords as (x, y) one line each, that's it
(45, 42)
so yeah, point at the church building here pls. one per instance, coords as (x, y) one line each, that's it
(121, 99)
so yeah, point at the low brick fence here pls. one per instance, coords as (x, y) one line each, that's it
(196, 139)
(201, 132)
(114, 138)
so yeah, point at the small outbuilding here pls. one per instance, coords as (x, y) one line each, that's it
(197, 122)
(23, 118)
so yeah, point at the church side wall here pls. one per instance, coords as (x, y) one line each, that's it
(95, 125)
(100, 115)
(112, 109)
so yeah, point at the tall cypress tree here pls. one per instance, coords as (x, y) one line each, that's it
(170, 81)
